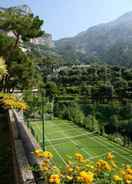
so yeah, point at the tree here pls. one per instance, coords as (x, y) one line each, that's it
(20, 65)
(22, 72)
(113, 125)
(102, 92)
(51, 89)
(22, 26)
(120, 86)
(129, 131)
(91, 123)
(124, 131)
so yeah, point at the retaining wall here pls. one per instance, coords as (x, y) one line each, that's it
(23, 145)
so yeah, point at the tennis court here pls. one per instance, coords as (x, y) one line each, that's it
(63, 138)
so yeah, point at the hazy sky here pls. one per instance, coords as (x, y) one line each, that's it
(64, 18)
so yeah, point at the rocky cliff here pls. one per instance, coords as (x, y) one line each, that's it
(45, 40)
(100, 41)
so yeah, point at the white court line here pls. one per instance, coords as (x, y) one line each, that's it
(58, 124)
(108, 148)
(84, 149)
(127, 150)
(76, 144)
(95, 140)
(57, 151)
(53, 148)
(39, 142)
(58, 130)
(56, 127)
(81, 148)
(71, 137)
(98, 156)
(59, 143)
(117, 148)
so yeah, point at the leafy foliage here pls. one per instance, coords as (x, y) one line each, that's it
(22, 26)
(8, 101)
(21, 66)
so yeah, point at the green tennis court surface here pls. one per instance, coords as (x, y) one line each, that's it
(64, 138)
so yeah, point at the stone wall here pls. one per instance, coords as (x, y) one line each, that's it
(7, 175)
(23, 145)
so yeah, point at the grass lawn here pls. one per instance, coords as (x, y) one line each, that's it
(63, 138)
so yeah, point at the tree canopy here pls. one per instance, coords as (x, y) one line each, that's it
(22, 26)
(17, 28)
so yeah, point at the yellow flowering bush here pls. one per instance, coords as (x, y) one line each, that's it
(84, 171)
(86, 177)
(117, 179)
(103, 165)
(9, 101)
(79, 157)
(127, 174)
(54, 179)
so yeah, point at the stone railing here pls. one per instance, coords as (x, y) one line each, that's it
(23, 145)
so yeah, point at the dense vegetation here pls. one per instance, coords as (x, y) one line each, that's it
(17, 28)
(97, 97)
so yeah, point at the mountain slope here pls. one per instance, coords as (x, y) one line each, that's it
(98, 40)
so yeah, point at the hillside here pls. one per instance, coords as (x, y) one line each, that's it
(99, 43)
(109, 43)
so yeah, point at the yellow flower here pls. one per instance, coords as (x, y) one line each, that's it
(128, 182)
(47, 155)
(54, 179)
(128, 177)
(45, 165)
(86, 177)
(103, 165)
(129, 170)
(84, 173)
(127, 174)
(38, 153)
(117, 178)
(11, 102)
(79, 157)
(109, 156)
(69, 169)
